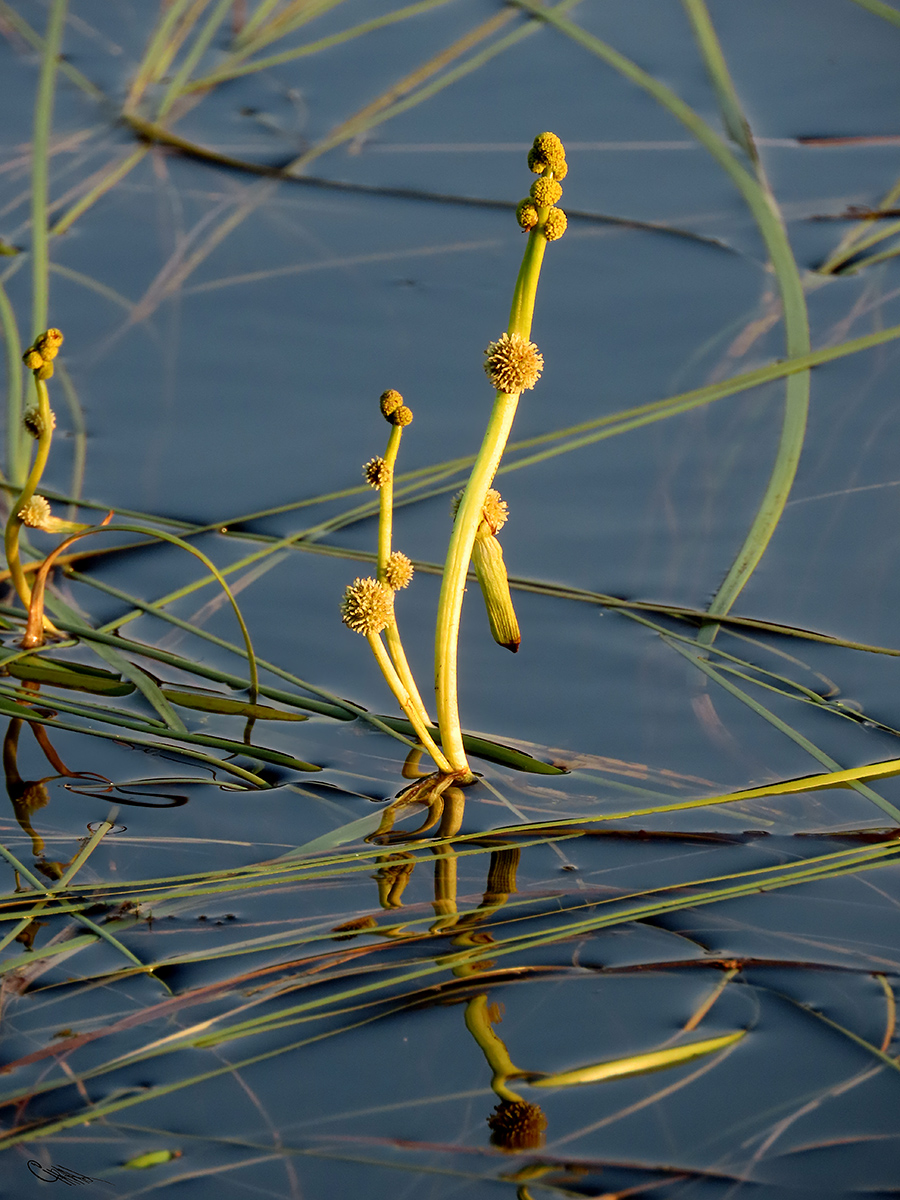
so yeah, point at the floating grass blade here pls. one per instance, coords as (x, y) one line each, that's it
(637, 1064)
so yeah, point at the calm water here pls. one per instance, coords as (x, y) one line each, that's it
(227, 338)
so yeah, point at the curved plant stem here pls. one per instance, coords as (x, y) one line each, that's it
(468, 517)
(385, 535)
(402, 696)
(14, 524)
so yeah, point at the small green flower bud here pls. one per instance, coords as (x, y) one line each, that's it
(401, 416)
(390, 401)
(367, 607)
(398, 571)
(44, 371)
(34, 422)
(526, 214)
(548, 153)
(377, 473)
(545, 192)
(513, 364)
(555, 225)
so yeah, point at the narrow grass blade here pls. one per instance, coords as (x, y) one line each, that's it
(638, 1064)
(43, 119)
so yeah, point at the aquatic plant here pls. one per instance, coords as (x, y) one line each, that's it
(513, 364)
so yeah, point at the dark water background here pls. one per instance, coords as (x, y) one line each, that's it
(247, 379)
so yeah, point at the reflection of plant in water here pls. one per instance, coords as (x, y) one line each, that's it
(513, 364)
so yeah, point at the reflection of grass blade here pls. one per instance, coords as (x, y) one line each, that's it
(638, 1064)
(233, 67)
(108, 179)
(880, 9)
(196, 52)
(768, 219)
(163, 46)
(34, 39)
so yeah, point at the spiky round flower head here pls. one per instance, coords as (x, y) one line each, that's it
(36, 513)
(401, 416)
(398, 571)
(548, 152)
(517, 1125)
(545, 192)
(494, 511)
(555, 225)
(526, 213)
(513, 364)
(48, 344)
(34, 422)
(377, 473)
(367, 606)
(390, 401)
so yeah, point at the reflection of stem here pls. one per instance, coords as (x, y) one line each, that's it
(478, 1023)
(445, 886)
(25, 797)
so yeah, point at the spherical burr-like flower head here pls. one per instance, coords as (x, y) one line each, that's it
(390, 401)
(367, 606)
(545, 192)
(36, 513)
(517, 1125)
(555, 225)
(495, 512)
(398, 571)
(377, 473)
(526, 213)
(34, 422)
(401, 416)
(513, 364)
(548, 152)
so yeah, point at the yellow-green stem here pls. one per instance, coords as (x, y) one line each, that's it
(402, 696)
(385, 538)
(468, 517)
(14, 525)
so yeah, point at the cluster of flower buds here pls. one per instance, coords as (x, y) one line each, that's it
(40, 354)
(546, 158)
(393, 409)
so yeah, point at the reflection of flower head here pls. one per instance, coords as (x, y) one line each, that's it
(517, 1125)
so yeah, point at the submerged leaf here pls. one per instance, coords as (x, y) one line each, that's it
(214, 702)
(70, 675)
